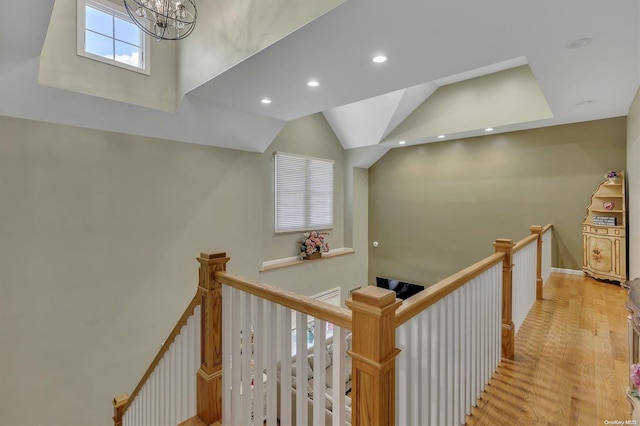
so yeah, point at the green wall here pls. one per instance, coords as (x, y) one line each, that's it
(99, 235)
(437, 208)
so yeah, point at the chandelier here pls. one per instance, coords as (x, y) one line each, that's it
(163, 19)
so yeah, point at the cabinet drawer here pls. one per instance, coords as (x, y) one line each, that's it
(600, 230)
(603, 230)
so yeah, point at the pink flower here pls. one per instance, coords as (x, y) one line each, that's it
(635, 375)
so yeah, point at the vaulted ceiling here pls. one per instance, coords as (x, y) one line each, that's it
(441, 54)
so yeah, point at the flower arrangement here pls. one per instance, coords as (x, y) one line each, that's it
(313, 242)
(612, 174)
(635, 379)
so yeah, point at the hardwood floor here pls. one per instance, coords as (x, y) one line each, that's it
(570, 366)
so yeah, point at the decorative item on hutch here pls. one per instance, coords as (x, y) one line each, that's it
(312, 245)
(613, 176)
(604, 231)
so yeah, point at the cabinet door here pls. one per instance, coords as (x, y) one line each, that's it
(600, 252)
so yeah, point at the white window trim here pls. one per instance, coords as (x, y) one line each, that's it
(306, 227)
(120, 12)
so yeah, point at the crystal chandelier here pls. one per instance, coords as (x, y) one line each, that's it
(163, 19)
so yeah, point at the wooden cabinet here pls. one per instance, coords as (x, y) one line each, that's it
(604, 232)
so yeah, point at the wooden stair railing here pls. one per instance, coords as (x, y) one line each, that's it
(121, 403)
(208, 378)
(375, 315)
(453, 334)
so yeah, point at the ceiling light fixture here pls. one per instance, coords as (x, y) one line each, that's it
(585, 102)
(163, 19)
(577, 44)
(402, 142)
(489, 129)
(379, 59)
(313, 83)
(440, 136)
(266, 101)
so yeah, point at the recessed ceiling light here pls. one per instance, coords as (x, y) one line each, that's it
(586, 102)
(489, 129)
(313, 83)
(379, 59)
(440, 136)
(581, 42)
(266, 101)
(402, 142)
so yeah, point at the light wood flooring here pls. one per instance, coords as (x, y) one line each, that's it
(571, 362)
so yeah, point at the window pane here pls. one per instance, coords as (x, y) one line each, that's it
(128, 54)
(127, 32)
(304, 193)
(100, 45)
(99, 22)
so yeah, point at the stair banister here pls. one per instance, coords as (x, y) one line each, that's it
(508, 329)
(209, 379)
(373, 356)
(537, 230)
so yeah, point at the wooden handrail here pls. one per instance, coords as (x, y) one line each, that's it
(421, 301)
(165, 347)
(524, 242)
(547, 227)
(318, 309)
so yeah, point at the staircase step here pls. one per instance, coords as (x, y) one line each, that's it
(193, 421)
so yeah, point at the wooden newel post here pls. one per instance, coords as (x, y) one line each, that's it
(508, 329)
(118, 408)
(537, 229)
(373, 356)
(209, 378)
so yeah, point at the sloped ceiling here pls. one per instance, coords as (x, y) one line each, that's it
(426, 43)
(491, 101)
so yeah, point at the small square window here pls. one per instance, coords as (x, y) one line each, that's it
(106, 34)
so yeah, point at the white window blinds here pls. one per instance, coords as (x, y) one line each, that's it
(303, 193)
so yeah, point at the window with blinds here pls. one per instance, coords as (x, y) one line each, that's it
(304, 193)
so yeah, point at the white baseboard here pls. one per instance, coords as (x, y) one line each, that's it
(567, 271)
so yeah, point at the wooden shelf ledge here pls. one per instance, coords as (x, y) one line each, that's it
(286, 262)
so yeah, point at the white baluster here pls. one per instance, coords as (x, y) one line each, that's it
(173, 396)
(271, 331)
(258, 356)
(184, 378)
(456, 333)
(319, 372)
(236, 362)
(434, 355)
(285, 367)
(475, 370)
(302, 391)
(227, 320)
(402, 374)
(464, 350)
(339, 375)
(177, 354)
(191, 366)
(246, 358)
(415, 366)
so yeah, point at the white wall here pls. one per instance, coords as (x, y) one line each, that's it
(633, 189)
(230, 31)
(99, 235)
